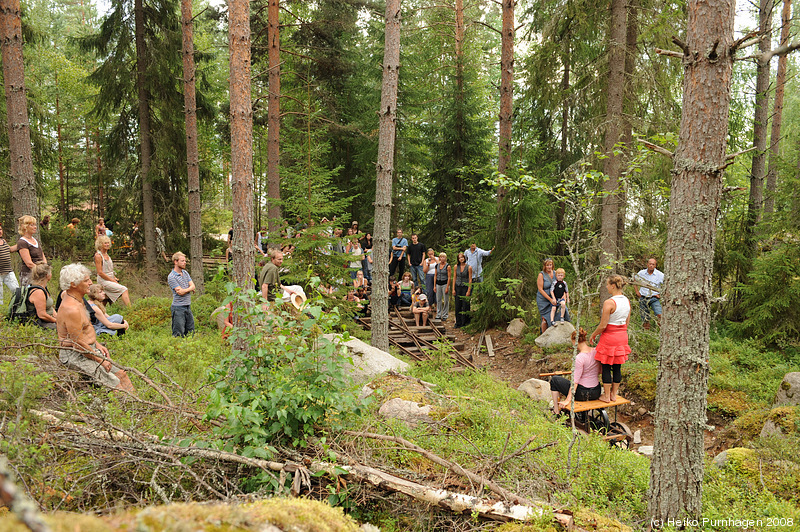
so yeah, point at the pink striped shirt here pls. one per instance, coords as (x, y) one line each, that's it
(586, 369)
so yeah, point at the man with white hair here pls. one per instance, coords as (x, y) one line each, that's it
(79, 348)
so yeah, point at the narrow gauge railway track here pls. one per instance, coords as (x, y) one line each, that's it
(417, 342)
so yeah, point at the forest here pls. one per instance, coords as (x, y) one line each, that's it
(594, 134)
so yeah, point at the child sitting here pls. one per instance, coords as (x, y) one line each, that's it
(421, 309)
(560, 292)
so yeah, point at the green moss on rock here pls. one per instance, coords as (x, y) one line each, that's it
(295, 515)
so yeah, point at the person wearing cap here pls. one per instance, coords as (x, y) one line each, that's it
(421, 309)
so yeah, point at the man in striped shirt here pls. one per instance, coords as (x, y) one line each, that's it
(182, 286)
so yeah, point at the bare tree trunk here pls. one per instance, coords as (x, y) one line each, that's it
(629, 108)
(561, 208)
(274, 120)
(612, 165)
(23, 183)
(761, 118)
(148, 212)
(777, 112)
(385, 167)
(241, 143)
(506, 112)
(101, 200)
(62, 206)
(192, 155)
(676, 471)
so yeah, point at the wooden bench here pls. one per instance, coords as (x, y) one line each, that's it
(585, 406)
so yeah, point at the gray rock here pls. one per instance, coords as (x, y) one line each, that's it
(516, 327)
(646, 450)
(642, 411)
(789, 390)
(637, 437)
(368, 361)
(365, 392)
(721, 459)
(557, 335)
(537, 389)
(407, 411)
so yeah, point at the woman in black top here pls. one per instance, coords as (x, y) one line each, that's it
(462, 288)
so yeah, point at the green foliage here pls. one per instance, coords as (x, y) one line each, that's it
(287, 382)
(771, 298)
(21, 387)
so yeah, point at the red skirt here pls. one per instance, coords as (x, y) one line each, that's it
(613, 346)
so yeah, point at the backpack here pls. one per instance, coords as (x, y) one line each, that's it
(20, 308)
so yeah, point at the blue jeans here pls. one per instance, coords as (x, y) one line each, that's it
(417, 276)
(647, 303)
(182, 320)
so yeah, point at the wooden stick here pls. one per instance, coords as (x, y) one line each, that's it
(507, 495)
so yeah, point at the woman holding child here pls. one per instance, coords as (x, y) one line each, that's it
(544, 300)
(612, 349)
(114, 324)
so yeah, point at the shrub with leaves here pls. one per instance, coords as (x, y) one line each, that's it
(771, 301)
(287, 382)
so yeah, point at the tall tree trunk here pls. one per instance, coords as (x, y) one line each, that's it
(192, 156)
(561, 208)
(629, 108)
(62, 206)
(612, 165)
(506, 112)
(23, 183)
(758, 169)
(777, 113)
(274, 120)
(676, 470)
(101, 200)
(385, 173)
(241, 143)
(145, 141)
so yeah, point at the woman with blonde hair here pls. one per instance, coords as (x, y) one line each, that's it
(29, 249)
(612, 349)
(105, 324)
(39, 297)
(105, 272)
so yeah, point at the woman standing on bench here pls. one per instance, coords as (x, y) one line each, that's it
(612, 349)
(586, 387)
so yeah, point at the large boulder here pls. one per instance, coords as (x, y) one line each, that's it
(784, 413)
(789, 390)
(782, 420)
(408, 411)
(516, 327)
(537, 389)
(558, 335)
(368, 361)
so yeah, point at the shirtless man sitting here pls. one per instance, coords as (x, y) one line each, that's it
(80, 350)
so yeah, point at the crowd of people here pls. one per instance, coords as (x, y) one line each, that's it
(419, 279)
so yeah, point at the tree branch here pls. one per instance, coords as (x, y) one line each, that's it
(507, 495)
(682, 45)
(779, 51)
(670, 53)
(745, 41)
(656, 148)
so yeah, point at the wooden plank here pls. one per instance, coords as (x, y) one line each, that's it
(583, 406)
(489, 347)
(555, 373)
(479, 344)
